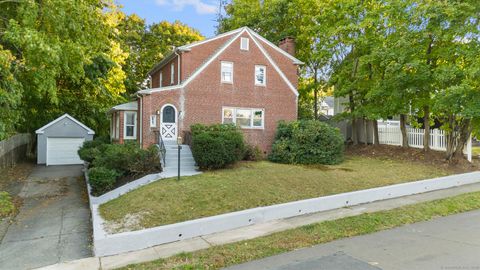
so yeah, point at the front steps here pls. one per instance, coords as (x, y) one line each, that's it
(187, 163)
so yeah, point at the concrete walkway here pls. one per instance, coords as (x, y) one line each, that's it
(53, 225)
(451, 242)
(167, 250)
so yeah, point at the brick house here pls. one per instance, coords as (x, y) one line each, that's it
(236, 77)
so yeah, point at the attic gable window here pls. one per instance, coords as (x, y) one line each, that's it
(172, 74)
(244, 43)
(226, 73)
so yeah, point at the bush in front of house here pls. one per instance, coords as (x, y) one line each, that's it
(307, 142)
(91, 149)
(252, 153)
(216, 146)
(120, 162)
(102, 179)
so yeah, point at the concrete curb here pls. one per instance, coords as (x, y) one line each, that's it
(254, 231)
(111, 244)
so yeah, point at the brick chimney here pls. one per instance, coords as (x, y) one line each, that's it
(288, 45)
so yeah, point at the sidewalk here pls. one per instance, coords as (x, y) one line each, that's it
(167, 250)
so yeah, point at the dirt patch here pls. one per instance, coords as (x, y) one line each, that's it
(432, 158)
(131, 222)
(13, 177)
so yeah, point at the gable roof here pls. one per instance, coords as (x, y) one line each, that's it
(42, 129)
(237, 33)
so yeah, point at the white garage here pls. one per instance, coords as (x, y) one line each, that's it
(59, 141)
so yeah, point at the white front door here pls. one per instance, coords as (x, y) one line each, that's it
(62, 151)
(168, 123)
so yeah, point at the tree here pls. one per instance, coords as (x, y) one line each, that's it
(64, 58)
(147, 45)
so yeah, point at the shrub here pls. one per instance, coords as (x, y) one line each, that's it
(128, 158)
(6, 204)
(252, 153)
(307, 142)
(91, 149)
(216, 146)
(144, 161)
(101, 179)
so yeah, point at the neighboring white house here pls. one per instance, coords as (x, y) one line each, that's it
(327, 106)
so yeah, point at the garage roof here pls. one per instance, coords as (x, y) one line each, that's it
(42, 129)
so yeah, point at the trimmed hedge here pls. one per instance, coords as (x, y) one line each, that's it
(307, 142)
(102, 179)
(216, 146)
(110, 162)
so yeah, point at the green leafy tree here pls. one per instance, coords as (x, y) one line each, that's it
(148, 45)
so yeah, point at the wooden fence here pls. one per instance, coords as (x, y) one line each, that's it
(13, 149)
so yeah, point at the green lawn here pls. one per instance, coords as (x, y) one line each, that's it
(252, 184)
(230, 254)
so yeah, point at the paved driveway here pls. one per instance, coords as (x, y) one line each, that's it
(53, 224)
(451, 242)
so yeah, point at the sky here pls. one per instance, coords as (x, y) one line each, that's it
(199, 14)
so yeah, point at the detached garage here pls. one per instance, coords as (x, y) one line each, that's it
(59, 140)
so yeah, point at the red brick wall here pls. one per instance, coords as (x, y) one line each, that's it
(151, 104)
(192, 59)
(165, 70)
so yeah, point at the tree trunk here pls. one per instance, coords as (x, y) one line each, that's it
(376, 139)
(315, 95)
(464, 135)
(403, 129)
(354, 121)
(365, 130)
(426, 125)
(450, 138)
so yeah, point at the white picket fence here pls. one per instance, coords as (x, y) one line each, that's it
(392, 135)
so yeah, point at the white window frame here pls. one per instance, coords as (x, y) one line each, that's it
(264, 75)
(153, 120)
(222, 63)
(252, 113)
(247, 42)
(125, 126)
(161, 79)
(172, 73)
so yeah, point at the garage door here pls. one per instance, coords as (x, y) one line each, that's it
(62, 151)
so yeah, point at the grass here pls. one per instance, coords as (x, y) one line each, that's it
(230, 254)
(253, 184)
(7, 207)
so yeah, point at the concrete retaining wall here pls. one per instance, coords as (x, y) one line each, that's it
(110, 244)
(13, 149)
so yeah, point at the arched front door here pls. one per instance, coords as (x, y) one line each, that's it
(168, 123)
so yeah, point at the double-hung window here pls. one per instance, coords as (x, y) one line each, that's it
(260, 75)
(130, 126)
(244, 117)
(226, 73)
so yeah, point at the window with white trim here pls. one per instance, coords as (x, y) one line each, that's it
(130, 125)
(153, 120)
(243, 117)
(226, 73)
(172, 73)
(161, 79)
(244, 42)
(260, 75)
